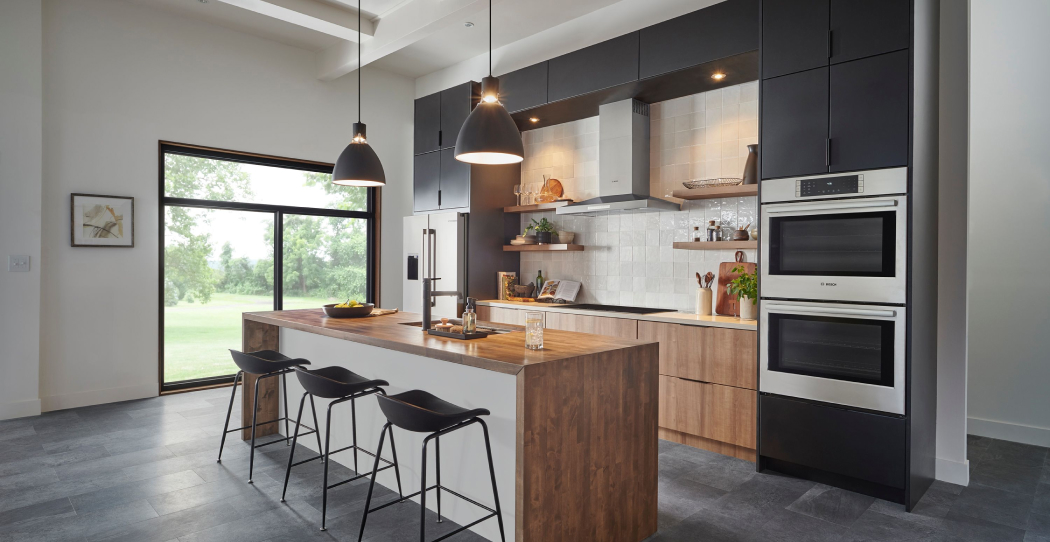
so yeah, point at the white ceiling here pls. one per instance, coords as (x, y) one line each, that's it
(410, 37)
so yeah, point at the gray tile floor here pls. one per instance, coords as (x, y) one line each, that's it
(146, 471)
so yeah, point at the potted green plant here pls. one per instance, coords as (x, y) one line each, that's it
(544, 230)
(745, 288)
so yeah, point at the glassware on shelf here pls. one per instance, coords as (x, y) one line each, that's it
(534, 330)
(517, 193)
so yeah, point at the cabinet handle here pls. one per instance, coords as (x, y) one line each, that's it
(829, 43)
(439, 198)
(827, 152)
(439, 137)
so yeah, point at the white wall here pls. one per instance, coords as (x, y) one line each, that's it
(20, 181)
(952, 464)
(120, 76)
(1008, 249)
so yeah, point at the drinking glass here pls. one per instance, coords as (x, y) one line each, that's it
(534, 330)
(517, 193)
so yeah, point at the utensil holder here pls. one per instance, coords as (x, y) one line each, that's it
(703, 301)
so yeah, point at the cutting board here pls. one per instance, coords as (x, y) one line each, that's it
(727, 305)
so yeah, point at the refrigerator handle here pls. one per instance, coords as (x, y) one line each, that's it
(423, 254)
(433, 260)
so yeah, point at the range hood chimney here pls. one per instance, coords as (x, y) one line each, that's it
(623, 163)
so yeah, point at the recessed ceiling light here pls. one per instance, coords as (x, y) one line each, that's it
(468, 24)
(533, 119)
(718, 76)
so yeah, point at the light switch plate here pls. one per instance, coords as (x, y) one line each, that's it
(18, 264)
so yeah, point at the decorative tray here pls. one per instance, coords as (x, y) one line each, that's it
(460, 336)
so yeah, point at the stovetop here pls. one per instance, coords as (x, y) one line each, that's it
(616, 308)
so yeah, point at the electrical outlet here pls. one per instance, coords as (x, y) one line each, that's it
(18, 263)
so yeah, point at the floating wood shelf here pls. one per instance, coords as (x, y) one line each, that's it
(535, 207)
(716, 245)
(740, 190)
(531, 248)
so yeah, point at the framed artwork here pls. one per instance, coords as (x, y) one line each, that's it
(102, 221)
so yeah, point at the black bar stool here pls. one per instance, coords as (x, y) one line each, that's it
(264, 364)
(422, 412)
(341, 385)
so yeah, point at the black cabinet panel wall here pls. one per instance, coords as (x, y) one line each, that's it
(426, 181)
(525, 88)
(867, 28)
(427, 126)
(599, 66)
(721, 30)
(795, 124)
(868, 120)
(455, 181)
(456, 103)
(794, 36)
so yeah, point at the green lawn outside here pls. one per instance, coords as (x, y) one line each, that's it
(197, 337)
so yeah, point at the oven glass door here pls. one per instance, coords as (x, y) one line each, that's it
(845, 354)
(843, 250)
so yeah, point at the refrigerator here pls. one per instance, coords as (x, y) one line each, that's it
(463, 250)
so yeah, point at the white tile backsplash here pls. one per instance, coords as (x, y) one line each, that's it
(629, 259)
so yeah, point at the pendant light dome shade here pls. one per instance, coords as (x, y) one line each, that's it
(358, 164)
(489, 135)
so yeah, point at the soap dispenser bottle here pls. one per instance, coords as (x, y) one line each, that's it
(470, 317)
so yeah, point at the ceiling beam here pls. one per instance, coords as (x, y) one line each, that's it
(311, 14)
(408, 24)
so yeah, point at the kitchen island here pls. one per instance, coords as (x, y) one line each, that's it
(573, 426)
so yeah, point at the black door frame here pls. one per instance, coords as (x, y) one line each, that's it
(370, 215)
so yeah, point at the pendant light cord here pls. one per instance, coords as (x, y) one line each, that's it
(359, 44)
(490, 38)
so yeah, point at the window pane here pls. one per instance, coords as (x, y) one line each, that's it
(325, 260)
(217, 264)
(221, 180)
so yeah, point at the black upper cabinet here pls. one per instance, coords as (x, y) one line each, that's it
(427, 123)
(599, 66)
(867, 28)
(868, 124)
(794, 36)
(426, 181)
(795, 124)
(455, 181)
(525, 88)
(456, 104)
(724, 29)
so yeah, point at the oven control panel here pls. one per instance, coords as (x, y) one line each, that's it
(829, 186)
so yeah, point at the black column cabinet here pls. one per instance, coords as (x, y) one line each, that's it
(795, 124)
(427, 123)
(602, 65)
(794, 36)
(718, 31)
(456, 104)
(426, 181)
(454, 190)
(868, 119)
(525, 88)
(867, 28)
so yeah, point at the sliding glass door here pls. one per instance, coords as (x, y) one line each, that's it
(245, 233)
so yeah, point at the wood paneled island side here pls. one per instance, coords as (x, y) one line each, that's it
(577, 454)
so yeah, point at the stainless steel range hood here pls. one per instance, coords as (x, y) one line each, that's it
(623, 163)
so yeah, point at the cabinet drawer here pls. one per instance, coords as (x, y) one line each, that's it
(501, 315)
(598, 325)
(717, 355)
(866, 446)
(711, 411)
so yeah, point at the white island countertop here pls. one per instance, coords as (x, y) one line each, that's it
(670, 317)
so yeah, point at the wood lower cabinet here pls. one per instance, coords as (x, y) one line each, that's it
(501, 315)
(706, 354)
(598, 325)
(722, 418)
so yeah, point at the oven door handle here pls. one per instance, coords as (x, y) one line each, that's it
(832, 311)
(772, 210)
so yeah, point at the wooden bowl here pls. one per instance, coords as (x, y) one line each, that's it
(332, 311)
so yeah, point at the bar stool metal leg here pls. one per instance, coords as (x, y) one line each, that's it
(226, 427)
(397, 471)
(423, 494)
(375, 470)
(295, 437)
(284, 390)
(317, 432)
(255, 411)
(327, 459)
(353, 426)
(492, 474)
(437, 472)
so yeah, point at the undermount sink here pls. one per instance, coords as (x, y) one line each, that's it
(457, 321)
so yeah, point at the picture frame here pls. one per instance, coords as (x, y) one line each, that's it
(101, 221)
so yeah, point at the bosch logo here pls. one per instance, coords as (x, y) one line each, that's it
(829, 284)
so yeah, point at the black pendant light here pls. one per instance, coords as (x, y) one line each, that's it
(489, 135)
(358, 164)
